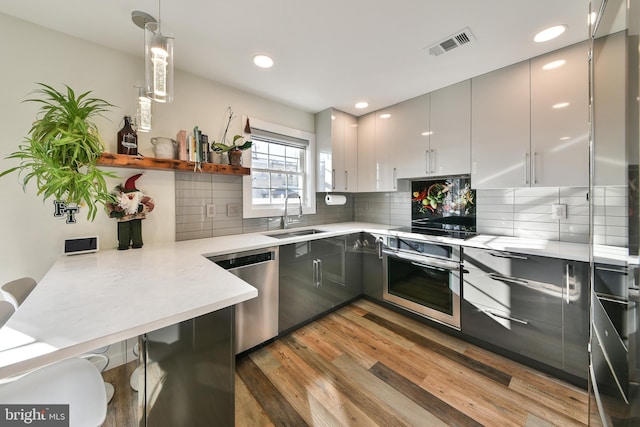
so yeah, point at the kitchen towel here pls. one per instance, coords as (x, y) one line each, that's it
(335, 199)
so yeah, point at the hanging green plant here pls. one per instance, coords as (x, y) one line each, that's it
(62, 149)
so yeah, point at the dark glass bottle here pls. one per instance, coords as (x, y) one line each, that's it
(127, 139)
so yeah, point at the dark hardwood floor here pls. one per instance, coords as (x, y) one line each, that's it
(365, 365)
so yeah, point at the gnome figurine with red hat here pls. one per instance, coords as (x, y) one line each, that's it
(130, 209)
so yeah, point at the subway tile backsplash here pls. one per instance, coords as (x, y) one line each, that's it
(520, 212)
(194, 191)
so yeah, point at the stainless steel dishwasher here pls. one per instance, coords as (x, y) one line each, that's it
(257, 318)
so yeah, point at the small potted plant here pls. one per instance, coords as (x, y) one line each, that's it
(235, 148)
(62, 149)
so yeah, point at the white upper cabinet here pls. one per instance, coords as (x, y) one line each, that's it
(367, 153)
(412, 137)
(336, 145)
(530, 123)
(450, 127)
(560, 118)
(386, 147)
(376, 148)
(500, 128)
(609, 99)
(350, 153)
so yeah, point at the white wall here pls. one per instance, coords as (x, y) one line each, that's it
(31, 237)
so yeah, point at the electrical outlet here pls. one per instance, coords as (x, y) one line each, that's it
(558, 211)
(233, 209)
(211, 210)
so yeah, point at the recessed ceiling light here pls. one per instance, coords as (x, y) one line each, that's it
(549, 33)
(565, 138)
(263, 61)
(426, 133)
(554, 64)
(385, 115)
(362, 104)
(560, 105)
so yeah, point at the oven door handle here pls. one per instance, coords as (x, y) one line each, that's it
(424, 261)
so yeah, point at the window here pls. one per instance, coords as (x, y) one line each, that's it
(282, 163)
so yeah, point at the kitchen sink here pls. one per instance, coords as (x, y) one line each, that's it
(293, 233)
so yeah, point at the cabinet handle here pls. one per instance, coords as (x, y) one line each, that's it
(506, 255)
(568, 282)
(346, 179)
(432, 156)
(315, 273)
(333, 179)
(319, 273)
(507, 279)
(395, 178)
(612, 270)
(502, 316)
(379, 243)
(427, 161)
(526, 168)
(533, 168)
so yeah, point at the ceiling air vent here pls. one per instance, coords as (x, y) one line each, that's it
(458, 39)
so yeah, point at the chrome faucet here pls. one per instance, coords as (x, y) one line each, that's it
(284, 221)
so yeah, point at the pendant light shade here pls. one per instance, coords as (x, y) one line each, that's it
(158, 56)
(143, 110)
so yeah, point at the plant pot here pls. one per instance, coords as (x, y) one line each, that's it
(235, 157)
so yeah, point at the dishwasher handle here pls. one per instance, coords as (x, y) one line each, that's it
(239, 260)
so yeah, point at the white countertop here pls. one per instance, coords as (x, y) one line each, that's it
(92, 300)
(88, 301)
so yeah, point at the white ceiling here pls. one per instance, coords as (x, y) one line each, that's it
(328, 53)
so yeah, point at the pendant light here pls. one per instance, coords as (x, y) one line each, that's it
(158, 65)
(143, 109)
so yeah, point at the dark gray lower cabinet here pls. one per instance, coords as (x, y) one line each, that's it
(189, 373)
(534, 306)
(372, 279)
(316, 276)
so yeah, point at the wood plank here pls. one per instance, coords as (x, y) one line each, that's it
(486, 370)
(323, 388)
(468, 393)
(280, 411)
(426, 400)
(407, 409)
(413, 325)
(247, 409)
(377, 410)
(295, 392)
(142, 162)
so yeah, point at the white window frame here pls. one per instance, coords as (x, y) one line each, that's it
(249, 210)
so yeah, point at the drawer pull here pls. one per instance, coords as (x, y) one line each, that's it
(506, 255)
(505, 317)
(612, 270)
(513, 280)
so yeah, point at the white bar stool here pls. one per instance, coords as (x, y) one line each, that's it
(75, 382)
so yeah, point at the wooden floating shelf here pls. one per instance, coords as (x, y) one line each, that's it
(140, 162)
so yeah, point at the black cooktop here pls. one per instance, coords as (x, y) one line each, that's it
(453, 227)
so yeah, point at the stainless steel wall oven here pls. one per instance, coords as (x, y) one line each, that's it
(423, 277)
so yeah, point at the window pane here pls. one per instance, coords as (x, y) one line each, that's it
(260, 147)
(276, 163)
(261, 196)
(293, 152)
(276, 150)
(276, 170)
